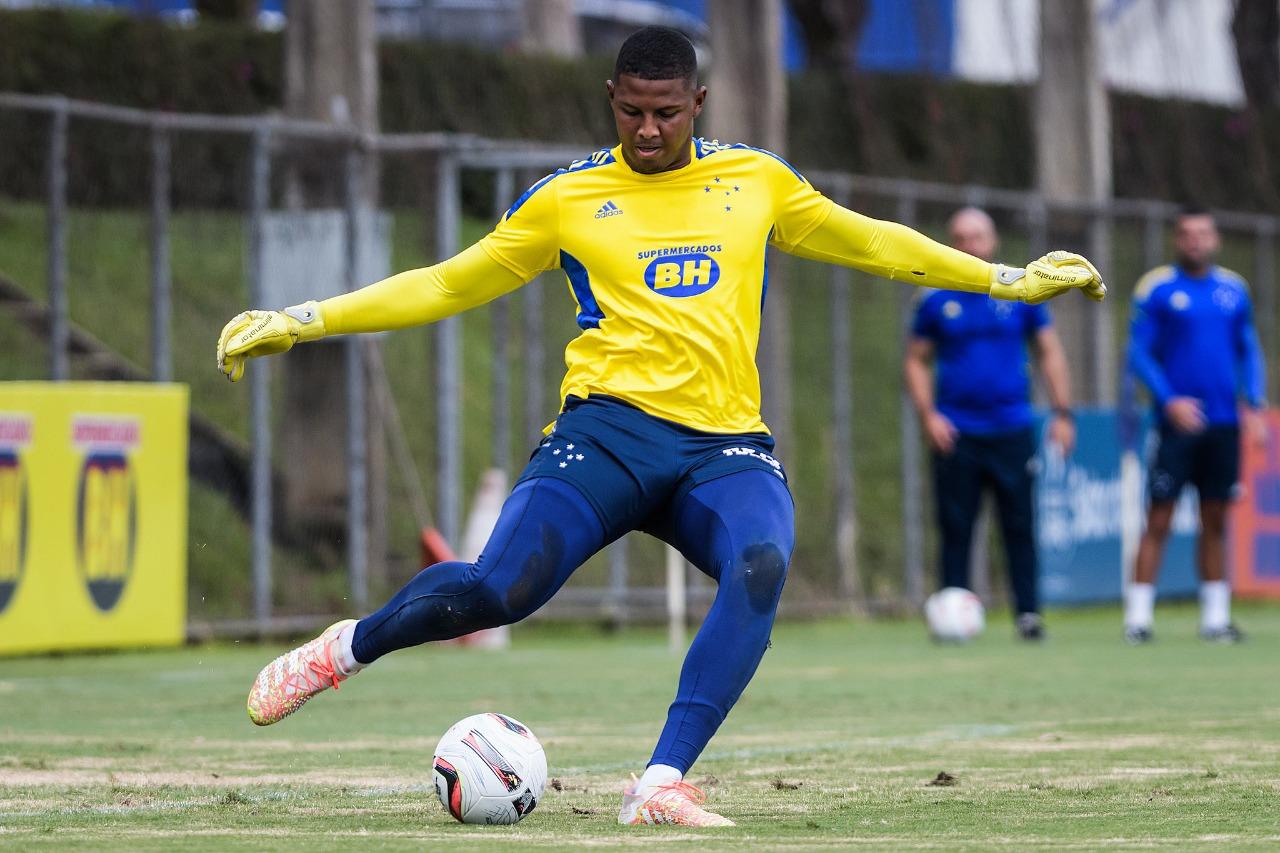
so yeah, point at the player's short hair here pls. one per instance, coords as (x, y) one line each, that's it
(657, 53)
(1189, 210)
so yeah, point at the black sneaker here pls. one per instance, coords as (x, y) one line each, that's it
(1030, 627)
(1138, 636)
(1227, 636)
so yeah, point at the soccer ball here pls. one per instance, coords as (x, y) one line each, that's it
(954, 615)
(489, 768)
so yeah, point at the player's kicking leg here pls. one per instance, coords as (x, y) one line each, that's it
(545, 531)
(740, 530)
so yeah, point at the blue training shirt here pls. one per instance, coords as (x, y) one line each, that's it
(1194, 337)
(983, 376)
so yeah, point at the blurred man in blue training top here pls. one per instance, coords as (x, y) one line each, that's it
(980, 424)
(1193, 344)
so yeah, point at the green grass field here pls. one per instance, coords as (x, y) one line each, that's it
(1081, 743)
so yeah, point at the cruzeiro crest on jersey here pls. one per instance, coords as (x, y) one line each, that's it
(679, 271)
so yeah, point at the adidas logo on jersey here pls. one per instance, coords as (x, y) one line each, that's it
(608, 209)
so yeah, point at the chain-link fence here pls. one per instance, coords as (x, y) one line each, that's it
(127, 238)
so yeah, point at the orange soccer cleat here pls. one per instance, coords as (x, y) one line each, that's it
(677, 803)
(285, 684)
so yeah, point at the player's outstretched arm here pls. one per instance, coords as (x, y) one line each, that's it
(410, 298)
(902, 254)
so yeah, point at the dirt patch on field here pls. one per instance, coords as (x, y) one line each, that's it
(240, 745)
(1143, 772)
(22, 778)
(85, 777)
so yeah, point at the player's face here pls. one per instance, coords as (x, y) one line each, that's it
(1195, 241)
(974, 234)
(655, 120)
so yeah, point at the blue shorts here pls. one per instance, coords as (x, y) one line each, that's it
(1208, 460)
(630, 465)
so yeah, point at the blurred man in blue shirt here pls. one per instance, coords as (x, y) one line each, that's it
(980, 424)
(1193, 344)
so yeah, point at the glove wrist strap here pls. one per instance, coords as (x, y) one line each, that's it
(1007, 283)
(310, 320)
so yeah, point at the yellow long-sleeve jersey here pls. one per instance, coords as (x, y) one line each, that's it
(668, 272)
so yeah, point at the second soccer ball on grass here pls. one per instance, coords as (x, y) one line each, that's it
(954, 615)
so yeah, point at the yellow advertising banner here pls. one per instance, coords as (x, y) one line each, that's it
(93, 515)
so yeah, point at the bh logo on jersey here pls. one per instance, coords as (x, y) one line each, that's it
(106, 509)
(15, 434)
(686, 274)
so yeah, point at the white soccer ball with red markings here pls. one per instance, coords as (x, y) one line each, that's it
(489, 768)
(954, 615)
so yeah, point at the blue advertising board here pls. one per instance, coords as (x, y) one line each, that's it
(1084, 505)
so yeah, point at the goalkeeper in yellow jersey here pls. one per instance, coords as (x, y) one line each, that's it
(662, 239)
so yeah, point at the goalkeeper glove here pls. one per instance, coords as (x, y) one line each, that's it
(1044, 279)
(255, 333)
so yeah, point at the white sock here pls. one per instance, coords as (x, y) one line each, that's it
(343, 656)
(1215, 605)
(658, 774)
(1139, 605)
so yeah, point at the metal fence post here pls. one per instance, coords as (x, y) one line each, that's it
(846, 541)
(260, 384)
(161, 276)
(357, 412)
(912, 499)
(500, 316)
(1264, 284)
(448, 341)
(59, 328)
(619, 571)
(1102, 314)
(1152, 237)
(1037, 227)
(912, 487)
(677, 599)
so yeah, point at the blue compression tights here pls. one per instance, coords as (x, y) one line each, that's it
(738, 529)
